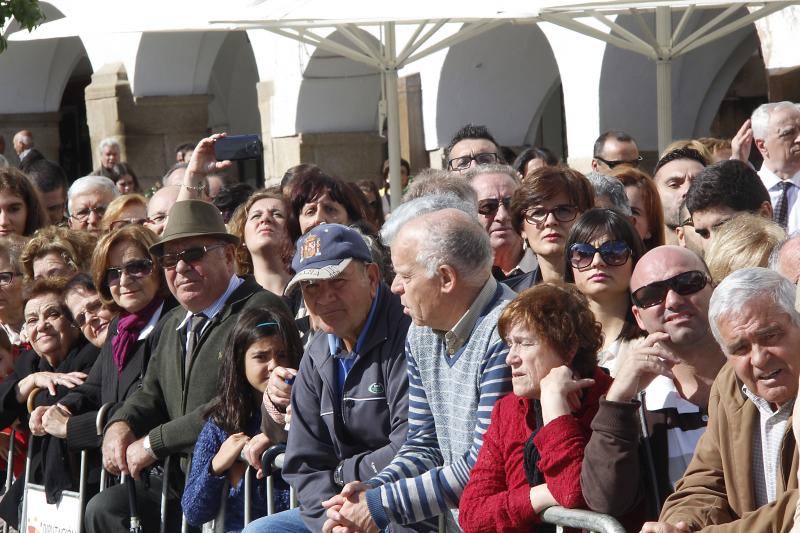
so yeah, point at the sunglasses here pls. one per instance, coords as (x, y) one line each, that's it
(613, 253)
(190, 255)
(121, 223)
(562, 213)
(616, 162)
(684, 284)
(489, 206)
(138, 268)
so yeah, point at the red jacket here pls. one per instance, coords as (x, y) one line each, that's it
(497, 496)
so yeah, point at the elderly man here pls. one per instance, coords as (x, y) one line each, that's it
(471, 146)
(743, 476)
(23, 146)
(350, 400)
(720, 192)
(158, 207)
(165, 416)
(109, 151)
(51, 181)
(673, 174)
(776, 132)
(785, 258)
(87, 200)
(614, 148)
(670, 372)
(456, 369)
(494, 185)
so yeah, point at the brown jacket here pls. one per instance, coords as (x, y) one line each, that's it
(716, 493)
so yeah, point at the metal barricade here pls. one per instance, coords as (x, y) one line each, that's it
(9, 468)
(579, 518)
(100, 423)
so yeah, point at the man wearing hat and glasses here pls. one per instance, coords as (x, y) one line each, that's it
(350, 400)
(166, 415)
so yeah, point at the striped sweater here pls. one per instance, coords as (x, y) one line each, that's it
(450, 406)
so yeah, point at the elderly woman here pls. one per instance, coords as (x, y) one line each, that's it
(58, 362)
(602, 251)
(11, 287)
(57, 252)
(532, 453)
(543, 210)
(124, 210)
(131, 283)
(21, 209)
(266, 249)
(89, 313)
(316, 199)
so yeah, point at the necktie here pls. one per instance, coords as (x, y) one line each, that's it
(196, 324)
(782, 207)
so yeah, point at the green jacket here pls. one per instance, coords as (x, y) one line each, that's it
(170, 408)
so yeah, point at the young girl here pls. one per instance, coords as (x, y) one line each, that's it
(261, 340)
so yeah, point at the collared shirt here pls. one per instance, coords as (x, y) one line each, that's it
(212, 310)
(528, 263)
(24, 153)
(151, 324)
(14, 337)
(456, 337)
(767, 446)
(772, 183)
(344, 359)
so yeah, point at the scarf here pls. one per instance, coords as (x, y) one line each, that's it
(129, 326)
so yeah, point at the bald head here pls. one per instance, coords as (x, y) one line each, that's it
(664, 262)
(786, 259)
(158, 207)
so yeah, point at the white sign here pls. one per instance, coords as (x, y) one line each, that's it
(42, 517)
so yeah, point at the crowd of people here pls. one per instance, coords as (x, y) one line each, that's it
(512, 336)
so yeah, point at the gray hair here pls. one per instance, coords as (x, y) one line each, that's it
(494, 168)
(611, 188)
(459, 241)
(90, 183)
(759, 120)
(109, 141)
(432, 181)
(744, 285)
(421, 206)
(775, 256)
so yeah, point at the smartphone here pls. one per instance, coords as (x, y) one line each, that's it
(237, 147)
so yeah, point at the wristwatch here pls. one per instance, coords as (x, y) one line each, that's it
(338, 476)
(147, 448)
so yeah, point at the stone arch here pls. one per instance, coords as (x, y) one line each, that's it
(507, 79)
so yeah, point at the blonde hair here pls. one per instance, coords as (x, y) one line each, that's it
(74, 246)
(743, 241)
(118, 205)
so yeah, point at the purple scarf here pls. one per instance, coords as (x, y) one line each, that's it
(129, 326)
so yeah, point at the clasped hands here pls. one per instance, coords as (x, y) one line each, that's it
(347, 511)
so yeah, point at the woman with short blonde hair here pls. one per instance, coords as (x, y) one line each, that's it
(743, 241)
(124, 210)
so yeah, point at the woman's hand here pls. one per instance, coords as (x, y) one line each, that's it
(561, 392)
(55, 421)
(228, 453)
(35, 421)
(49, 381)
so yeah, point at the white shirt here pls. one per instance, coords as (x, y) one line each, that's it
(767, 446)
(772, 183)
(212, 310)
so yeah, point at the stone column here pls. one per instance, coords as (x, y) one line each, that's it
(412, 131)
(43, 126)
(148, 128)
(272, 172)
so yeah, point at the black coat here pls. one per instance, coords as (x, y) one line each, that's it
(30, 158)
(106, 384)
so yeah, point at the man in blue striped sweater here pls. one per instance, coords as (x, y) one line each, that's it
(456, 369)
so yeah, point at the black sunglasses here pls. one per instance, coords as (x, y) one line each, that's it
(613, 253)
(684, 284)
(616, 162)
(190, 255)
(489, 206)
(138, 268)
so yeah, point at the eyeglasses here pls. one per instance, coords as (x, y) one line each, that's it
(121, 223)
(84, 213)
(463, 162)
(615, 162)
(562, 213)
(92, 308)
(138, 268)
(190, 255)
(489, 206)
(613, 253)
(6, 278)
(684, 284)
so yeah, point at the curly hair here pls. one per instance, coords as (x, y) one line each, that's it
(558, 314)
(75, 248)
(244, 261)
(233, 406)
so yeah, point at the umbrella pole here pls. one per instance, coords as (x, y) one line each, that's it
(664, 76)
(392, 114)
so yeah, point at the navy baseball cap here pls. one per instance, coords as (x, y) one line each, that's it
(325, 251)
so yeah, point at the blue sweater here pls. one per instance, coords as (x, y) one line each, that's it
(202, 494)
